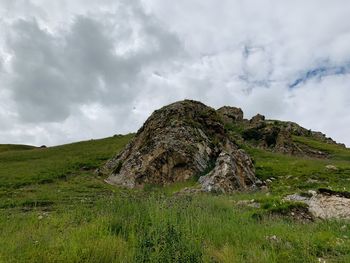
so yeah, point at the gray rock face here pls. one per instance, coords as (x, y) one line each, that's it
(178, 142)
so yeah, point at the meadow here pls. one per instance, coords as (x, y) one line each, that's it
(53, 208)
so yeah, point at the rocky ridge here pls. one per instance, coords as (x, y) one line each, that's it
(272, 135)
(189, 140)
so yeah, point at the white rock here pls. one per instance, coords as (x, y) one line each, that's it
(324, 206)
(327, 207)
(331, 167)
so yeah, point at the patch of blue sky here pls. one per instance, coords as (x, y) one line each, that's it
(319, 73)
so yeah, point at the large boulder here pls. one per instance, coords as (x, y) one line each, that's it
(180, 141)
(325, 203)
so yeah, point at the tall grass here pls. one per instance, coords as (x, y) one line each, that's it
(145, 227)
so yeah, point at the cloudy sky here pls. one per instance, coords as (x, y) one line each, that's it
(75, 70)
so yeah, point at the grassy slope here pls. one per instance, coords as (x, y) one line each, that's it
(54, 209)
(296, 174)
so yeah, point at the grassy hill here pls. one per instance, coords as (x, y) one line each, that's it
(53, 208)
(15, 147)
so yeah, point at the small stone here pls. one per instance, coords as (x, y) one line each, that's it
(264, 188)
(258, 183)
(288, 245)
(242, 202)
(339, 241)
(331, 168)
(254, 205)
(40, 217)
(296, 198)
(268, 181)
(249, 203)
(312, 181)
(273, 238)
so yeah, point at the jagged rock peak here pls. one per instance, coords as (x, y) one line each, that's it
(257, 118)
(231, 114)
(180, 141)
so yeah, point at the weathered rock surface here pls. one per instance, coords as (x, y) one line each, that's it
(229, 175)
(325, 204)
(231, 114)
(257, 119)
(181, 141)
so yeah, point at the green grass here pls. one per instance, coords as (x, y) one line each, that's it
(295, 174)
(336, 152)
(15, 147)
(53, 208)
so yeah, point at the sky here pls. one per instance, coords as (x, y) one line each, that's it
(77, 70)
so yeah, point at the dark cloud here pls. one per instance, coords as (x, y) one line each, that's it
(53, 73)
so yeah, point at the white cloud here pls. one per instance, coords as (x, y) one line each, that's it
(76, 70)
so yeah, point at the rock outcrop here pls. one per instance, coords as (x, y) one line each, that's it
(188, 139)
(180, 141)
